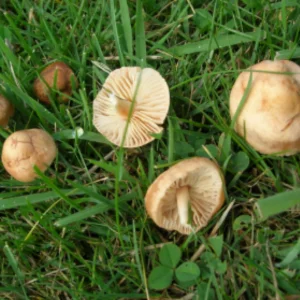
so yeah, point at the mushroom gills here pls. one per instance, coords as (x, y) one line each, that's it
(184, 206)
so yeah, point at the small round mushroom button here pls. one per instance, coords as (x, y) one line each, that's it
(25, 149)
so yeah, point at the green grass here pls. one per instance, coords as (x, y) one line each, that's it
(81, 231)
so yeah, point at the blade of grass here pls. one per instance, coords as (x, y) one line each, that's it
(170, 142)
(91, 211)
(14, 264)
(81, 215)
(74, 25)
(288, 54)
(86, 109)
(278, 5)
(55, 188)
(217, 42)
(291, 256)
(140, 39)
(44, 115)
(14, 202)
(120, 158)
(283, 18)
(8, 54)
(70, 134)
(151, 165)
(90, 192)
(140, 265)
(49, 35)
(276, 204)
(242, 102)
(115, 31)
(114, 169)
(97, 47)
(125, 16)
(41, 217)
(17, 32)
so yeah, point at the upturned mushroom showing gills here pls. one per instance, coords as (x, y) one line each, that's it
(269, 119)
(139, 97)
(186, 196)
(6, 111)
(25, 149)
(56, 76)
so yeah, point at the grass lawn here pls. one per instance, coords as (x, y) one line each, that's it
(81, 230)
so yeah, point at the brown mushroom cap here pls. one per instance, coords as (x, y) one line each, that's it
(196, 183)
(57, 75)
(113, 103)
(24, 149)
(270, 117)
(6, 111)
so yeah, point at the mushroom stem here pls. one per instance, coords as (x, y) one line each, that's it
(183, 196)
(122, 106)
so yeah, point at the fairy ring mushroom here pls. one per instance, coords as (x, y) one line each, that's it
(58, 76)
(6, 111)
(270, 117)
(25, 149)
(139, 97)
(186, 196)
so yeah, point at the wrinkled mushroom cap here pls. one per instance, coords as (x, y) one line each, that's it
(24, 149)
(270, 118)
(148, 111)
(206, 195)
(57, 75)
(6, 111)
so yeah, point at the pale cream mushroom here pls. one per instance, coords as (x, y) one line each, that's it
(6, 111)
(270, 117)
(115, 102)
(25, 149)
(192, 189)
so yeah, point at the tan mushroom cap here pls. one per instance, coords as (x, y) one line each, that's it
(6, 111)
(270, 117)
(196, 183)
(57, 75)
(113, 104)
(24, 149)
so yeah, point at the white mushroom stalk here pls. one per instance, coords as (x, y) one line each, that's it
(183, 199)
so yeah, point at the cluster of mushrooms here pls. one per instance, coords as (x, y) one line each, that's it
(264, 102)
(25, 149)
